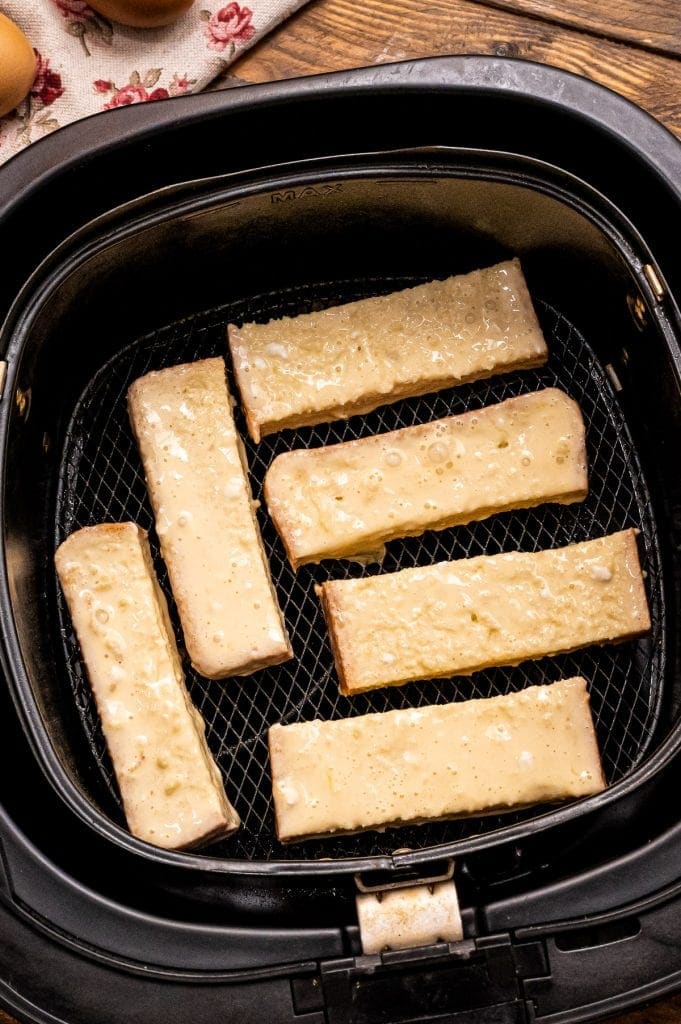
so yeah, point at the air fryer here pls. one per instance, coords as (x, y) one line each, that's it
(130, 242)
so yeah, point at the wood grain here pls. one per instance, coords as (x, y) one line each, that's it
(652, 24)
(333, 34)
(667, 1012)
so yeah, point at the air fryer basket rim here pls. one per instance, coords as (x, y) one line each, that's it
(81, 806)
(549, 179)
(77, 149)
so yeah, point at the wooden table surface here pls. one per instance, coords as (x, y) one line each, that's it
(633, 46)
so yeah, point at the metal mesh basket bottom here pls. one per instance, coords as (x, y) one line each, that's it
(101, 480)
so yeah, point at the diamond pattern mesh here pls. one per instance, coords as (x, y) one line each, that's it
(102, 481)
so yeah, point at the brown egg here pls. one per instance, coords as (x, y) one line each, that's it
(142, 13)
(17, 65)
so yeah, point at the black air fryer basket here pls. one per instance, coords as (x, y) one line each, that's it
(130, 241)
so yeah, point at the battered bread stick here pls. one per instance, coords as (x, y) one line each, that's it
(171, 788)
(352, 358)
(455, 618)
(406, 767)
(198, 485)
(347, 500)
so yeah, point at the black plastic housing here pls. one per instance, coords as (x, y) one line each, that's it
(161, 930)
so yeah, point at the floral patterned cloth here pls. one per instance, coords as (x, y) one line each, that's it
(86, 63)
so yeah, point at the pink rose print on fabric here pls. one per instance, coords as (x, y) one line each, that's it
(228, 27)
(180, 85)
(140, 89)
(76, 9)
(47, 88)
(47, 85)
(134, 94)
(82, 22)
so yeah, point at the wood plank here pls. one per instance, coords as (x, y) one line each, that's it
(648, 23)
(667, 1012)
(335, 34)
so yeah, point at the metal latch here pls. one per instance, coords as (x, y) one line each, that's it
(653, 279)
(475, 980)
(402, 915)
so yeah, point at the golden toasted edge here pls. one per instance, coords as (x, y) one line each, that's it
(203, 367)
(526, 299)
(579, 682)
(273, 759)
(279, 517)
(325, 593)
(600, 784)
(632, 557)
(350, 690)
(212, 836)
(232, 820)
(408, 822)
(193, 641)
(373, 400)
(252, 421)
(579, 428)
(444, 523)
(133, 402)
(100, 529)
(208, 671)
